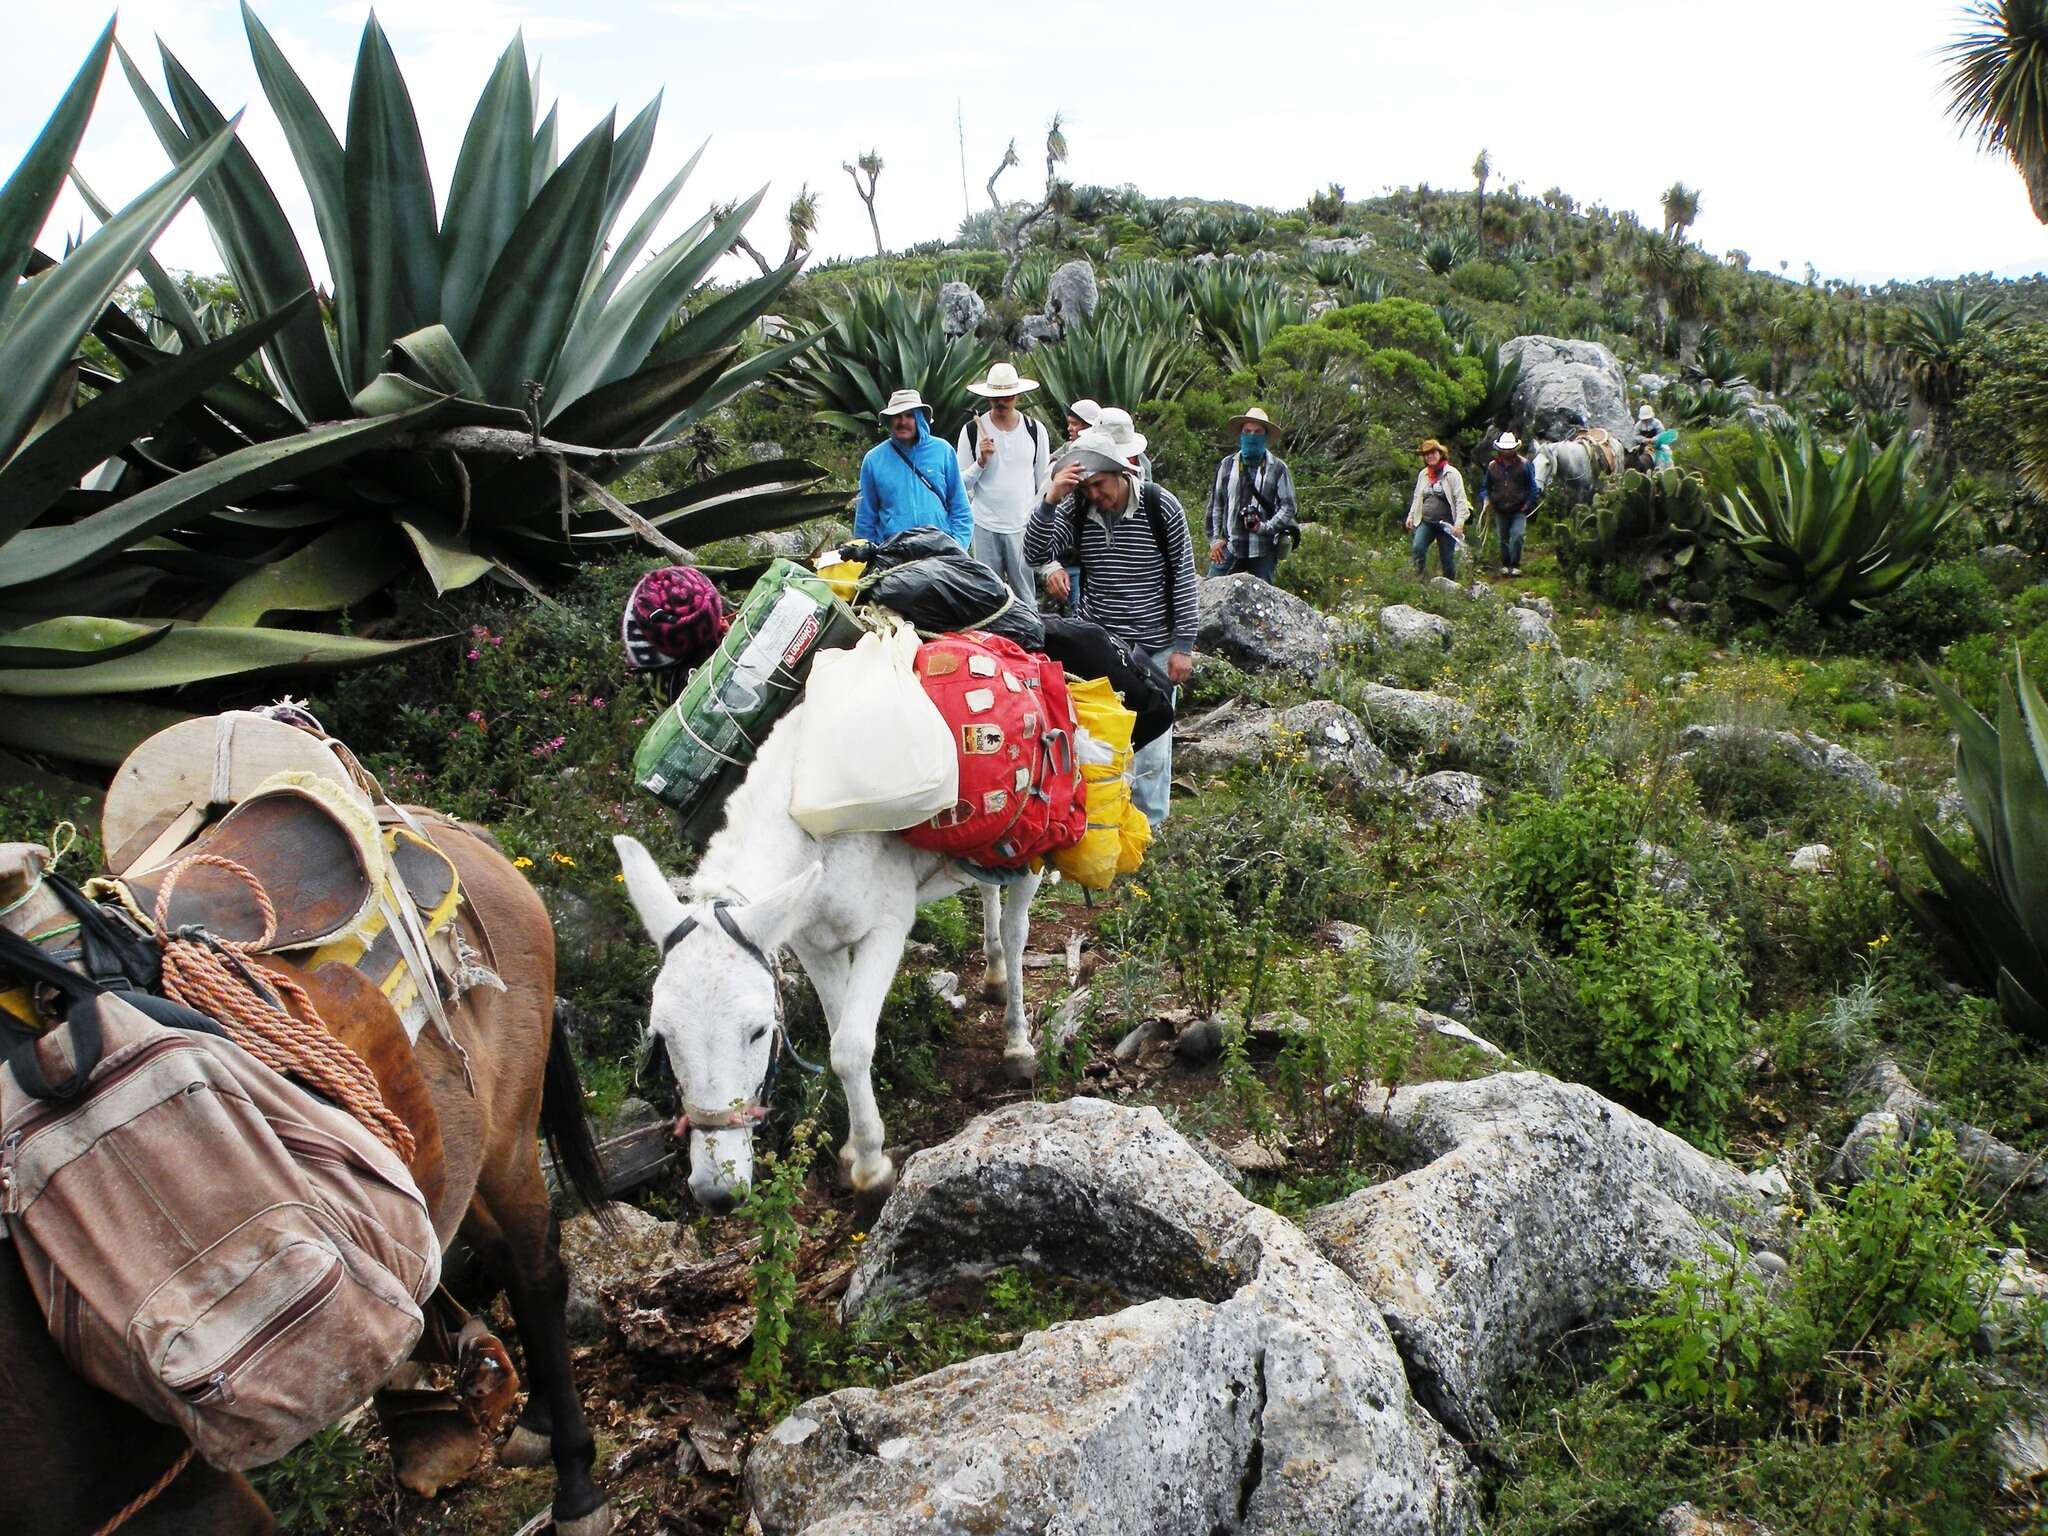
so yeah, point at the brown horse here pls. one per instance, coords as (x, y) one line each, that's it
(71, 1456)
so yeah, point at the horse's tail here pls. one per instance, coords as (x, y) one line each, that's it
(566, 1127)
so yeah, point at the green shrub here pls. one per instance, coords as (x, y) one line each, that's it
(1662, 997)
(317, 1486)
(1566, 856)
(1488, 280)
(1935, 607)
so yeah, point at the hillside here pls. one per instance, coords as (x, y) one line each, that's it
(1549, 974)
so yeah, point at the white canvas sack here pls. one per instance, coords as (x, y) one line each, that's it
(873, 752)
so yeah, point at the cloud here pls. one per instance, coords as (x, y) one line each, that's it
(897, 66)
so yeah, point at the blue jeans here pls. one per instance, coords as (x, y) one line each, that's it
(1512, 528)
(1261, 566)
(1446, 548)
(1152, 767)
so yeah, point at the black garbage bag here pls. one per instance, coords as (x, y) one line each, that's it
(940, 588)
(1089, 650)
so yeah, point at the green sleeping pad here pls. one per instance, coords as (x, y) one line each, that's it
(699, 748)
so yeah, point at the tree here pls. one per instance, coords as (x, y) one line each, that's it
(1327, 206)
(802, 221)
(1998, 86)
(1482, 168)
(871, 163)
(1010, 233)
(1681, 208)
(1931, 339)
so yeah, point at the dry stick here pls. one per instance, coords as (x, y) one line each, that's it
(461, 480)
(627, 515)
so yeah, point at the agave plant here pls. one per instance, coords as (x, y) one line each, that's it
(468, 367)
(1716, 363)
(1149, 295)
(1662, 521)
(876, 339)
(1996, 922)
(1248, 227)
(1496, 405)
(1116, 362)
(1699, 405)
(1443, 252)
(1240, 308)
(1835, 531)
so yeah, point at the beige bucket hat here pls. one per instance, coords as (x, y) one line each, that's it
(1116, 421)
(903, 400)
(1003, 379)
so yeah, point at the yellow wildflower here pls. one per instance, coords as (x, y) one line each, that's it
(563, 859)
(522, 862)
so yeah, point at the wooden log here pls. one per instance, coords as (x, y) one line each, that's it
(631, 1158)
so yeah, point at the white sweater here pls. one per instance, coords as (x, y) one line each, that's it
(1004, 491)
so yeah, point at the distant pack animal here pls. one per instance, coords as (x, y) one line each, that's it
(72, 1456)
(845, 905)
(1569, 473)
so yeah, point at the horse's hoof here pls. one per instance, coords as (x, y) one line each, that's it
(434, 1443)
(598, 1522)
(525, 1448)
(873, 1181)
(1021, 1067)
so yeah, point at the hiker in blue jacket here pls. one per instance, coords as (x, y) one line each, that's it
(910, 479)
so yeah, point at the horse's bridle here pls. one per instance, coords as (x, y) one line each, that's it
(750, 1114)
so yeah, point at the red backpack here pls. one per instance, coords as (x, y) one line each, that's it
(1013, 726)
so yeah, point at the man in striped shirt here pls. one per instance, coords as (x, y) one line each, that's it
(1138, 573)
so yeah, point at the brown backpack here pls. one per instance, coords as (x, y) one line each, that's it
(208, 1241)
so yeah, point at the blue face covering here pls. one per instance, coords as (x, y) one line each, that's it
(1251, 445)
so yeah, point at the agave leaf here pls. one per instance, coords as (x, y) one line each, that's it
(449, 561)
(76, 641)
(98, 731)
(491, 189)
(529, 299)
(48, 323)
(2023, 766)
(31, 192)
(394, 244)
(625, 413)
(725, 316)
(629, 159)
(340, 568)
(198, 653)
(618, 342)
(433, 351)
(100, 428)
(253, 236)
(542, 166)
(780, 474)
(735, 516)
(627, 252)
(2025, 1010)
(1975, 919)
(313, 146)
(39, 554)
(170, 298)
(731, 382)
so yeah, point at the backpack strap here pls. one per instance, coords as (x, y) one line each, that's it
(1155, 514)
(903, 453)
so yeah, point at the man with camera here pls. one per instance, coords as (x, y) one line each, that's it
(1251, 502)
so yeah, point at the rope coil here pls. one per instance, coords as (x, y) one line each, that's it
(271, 1018)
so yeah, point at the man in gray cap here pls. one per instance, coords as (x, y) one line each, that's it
(1130, 537)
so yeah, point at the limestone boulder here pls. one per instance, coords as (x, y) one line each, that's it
(1261, 628)
(961, 310)
(1071, 294)
(1530, 1207)
(1412, 718)
(1412, 629)
(1801, 748)
(1566, 386)
(1248, 1388)
(1448, 795)
(1328, 737)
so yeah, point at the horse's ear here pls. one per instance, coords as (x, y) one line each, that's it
(652, 896)
(770, 921)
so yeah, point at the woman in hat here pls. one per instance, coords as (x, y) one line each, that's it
(1251, 501)
(1437, 511)
(1004, 458)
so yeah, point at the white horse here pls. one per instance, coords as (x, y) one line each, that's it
(845, 905)
(1568, 473)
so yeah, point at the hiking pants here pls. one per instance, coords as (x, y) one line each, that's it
(1004, 553)
(1152, 768)
(1446, 548)
(1512, 528)
(1262, 566)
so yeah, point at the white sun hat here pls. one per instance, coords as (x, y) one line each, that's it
(903, 400)
(1507, 442)
(1085, 410)
(1003, 379)
(1116, 421)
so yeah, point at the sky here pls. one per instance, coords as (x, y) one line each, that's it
(1814, 130)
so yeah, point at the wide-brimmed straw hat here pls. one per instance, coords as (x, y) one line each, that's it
(1507, 442)
(903, 400)
(1002, 380)
(1116, 421)
(1431, 445)
(1257, 416)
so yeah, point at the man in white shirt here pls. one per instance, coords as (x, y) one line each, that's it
(1004, 459)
